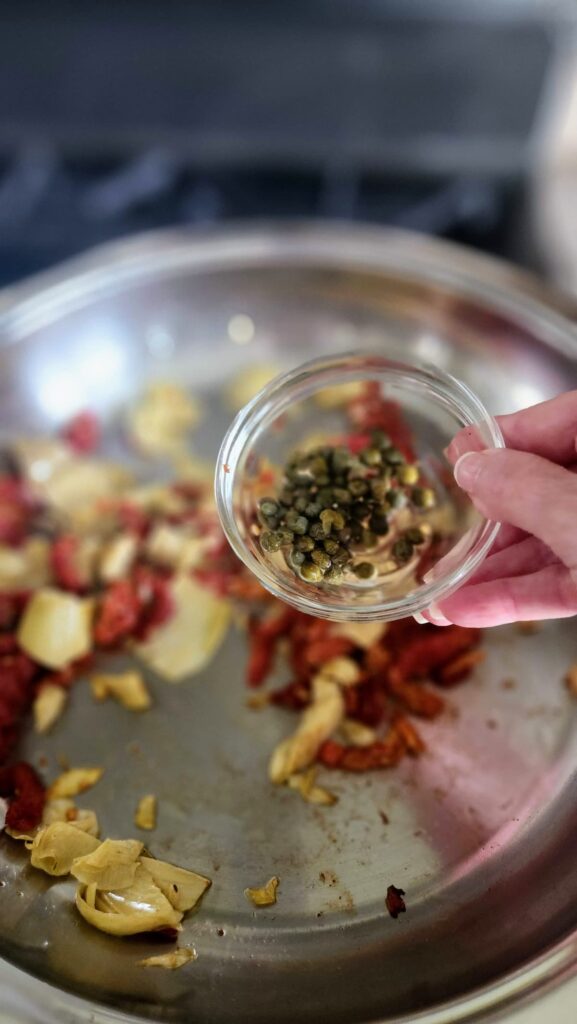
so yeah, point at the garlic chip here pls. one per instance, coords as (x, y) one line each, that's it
(182, 888)
(304, 783)
(145, 816)
(26, 567)
(317, 723)
(56, 628)
(140, 908)
(265, 896)
(128, 688)
(111, 865)
(64, 809)
(341, 670)
(356, 734)
(361, 634)
(117, 557)
(48, 706)
(171, 961)
(162, 418)
(55, 847)
(74, 781)
(189, 640)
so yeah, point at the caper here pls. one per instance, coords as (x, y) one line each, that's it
(317, 532)
(394, 457)
(268, 506)
(286, 497)
(331, 519)
(325, 497)
(313, 509)
(380, 439)
(402, 550)
(297, 557)
(321, 558)
(415, 535)
(342, 496)
(311, 573)
(423, 497)
(345, 535)
(358, 510)
(286, 536)
(331, 546)
(379, 488)
(270, 542)
(379, 523)
(300, 504)
(341, 557)
(407, 475)
(394, 498)
(364, 570)
(372, 457)
(299, 525)
(341, 459)
(305, 544)
(271, 522)
(334, 574)
(358, 487)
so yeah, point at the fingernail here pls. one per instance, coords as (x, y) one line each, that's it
(420, 618)
(434, 615)
(467, 469)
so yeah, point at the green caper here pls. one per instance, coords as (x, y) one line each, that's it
(286, 497)
(364, 570)
(341, 459)
(334, 574)
(321, 558)
(311, 573)
(271, 522)
(358, 487)
(341, 557)
(297, 557)
(270, 542)
(317, 532)
(423, 497)
(299, 525)
(313, 509)
(394, 457)
(286, 536)
(407, 475)
(372, 457)
(379, 523)
(305, 544)
(331, 519)
(402, 550)
(394, 498)
(325, 497)
(380, 439)
(342, 496)
(268, 506)
(300, 504)
(345, 535)
(379, 488)
(331, 546)
(415, 535)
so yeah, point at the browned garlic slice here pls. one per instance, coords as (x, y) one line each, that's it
(317, 723)
(111, 865)
(128, 688)
(74, 781)
(55, 847)
(64, 809)
(48, 706)
(304, 783)
(56, 628)
(140, 908)
(192, 636)
(182, 888)
(162, 418)
(145, 816)
(171, 961)
(356, 734)
(264, 896)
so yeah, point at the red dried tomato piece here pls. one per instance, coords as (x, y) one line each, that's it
(415, 697)
(83, 432)
(118, 614)
(394, 901)
(21, 785)
(64, 562)
(412, 740)
(294, 696)
(155, 601)
(330, 754)
(433, 649)
(133, 519)
(11, 608)
(318, 653)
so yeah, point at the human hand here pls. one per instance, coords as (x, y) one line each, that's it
(531, 488)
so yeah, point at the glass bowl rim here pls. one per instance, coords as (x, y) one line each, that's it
(276, 394)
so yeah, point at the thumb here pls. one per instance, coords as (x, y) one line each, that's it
(526, 491)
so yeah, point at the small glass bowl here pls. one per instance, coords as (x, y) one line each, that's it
(301, 409)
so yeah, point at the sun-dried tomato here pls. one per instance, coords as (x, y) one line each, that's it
(321, 651)
(372, 702)
(133, 519)
(67, 676)
(11, 607)
(370, 411)
(415, 697)
(412, 740)
(381, 754)
(459, 669)
(156, 605)
(295, 696)
(64, 562)
(16, 506)
(118, 614)
(433, 648)
(83, 432)
(22, 787)
(330, 753)
(394, 901)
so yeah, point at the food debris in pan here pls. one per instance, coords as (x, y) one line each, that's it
(571, 680)
(171, 961)
(146, 812)
(395, 902)
(265, 895)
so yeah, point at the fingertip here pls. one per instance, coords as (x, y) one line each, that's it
(433, 616)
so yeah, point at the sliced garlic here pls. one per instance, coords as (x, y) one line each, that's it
(111, 865)
(357, 734)
(74, 781)
(181, 887)
(304, 783)
(56, 628)
(162, 418)
(128, 688)
(264, 896)
(140, 908)
(189, 640)
(341, 670)
(55, 847)
(48, 706)
(171, 961)
(362, 634)
(317, 723)
(26, 567)
(117, 557)
(145, 816)
(64, 809)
